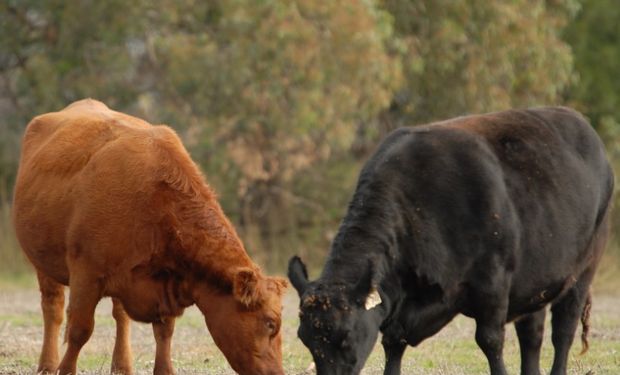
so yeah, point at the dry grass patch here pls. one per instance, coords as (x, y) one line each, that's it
(452, 351)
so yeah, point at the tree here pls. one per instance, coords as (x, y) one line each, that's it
(261, 91)
(595, 39)
(274, 88)
(280, 101)
(471, 56)
(55, 52)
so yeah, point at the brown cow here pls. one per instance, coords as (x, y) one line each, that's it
(113, 206)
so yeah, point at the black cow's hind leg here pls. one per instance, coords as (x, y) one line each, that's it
(530, 332)
(566, 314)
(394, 350)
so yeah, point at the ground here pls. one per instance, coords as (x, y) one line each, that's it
(453, 351)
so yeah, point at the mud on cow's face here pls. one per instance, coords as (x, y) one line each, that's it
(339, 325)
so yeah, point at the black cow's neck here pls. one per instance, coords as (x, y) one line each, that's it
(368, 244)
(352, 253)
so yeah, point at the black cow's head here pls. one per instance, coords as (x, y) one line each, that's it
(339, 323)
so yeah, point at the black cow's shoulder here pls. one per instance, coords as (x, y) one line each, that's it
(457, 191)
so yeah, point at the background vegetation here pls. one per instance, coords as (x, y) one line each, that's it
(280, 102)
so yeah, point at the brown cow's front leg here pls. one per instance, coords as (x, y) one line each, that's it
(84, 294)
(52, 304)
(163, 339)
(121, 358)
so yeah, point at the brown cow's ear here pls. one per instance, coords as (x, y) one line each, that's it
(245, 286)
(279, 283)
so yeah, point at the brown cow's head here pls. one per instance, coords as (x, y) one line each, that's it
(246, 325)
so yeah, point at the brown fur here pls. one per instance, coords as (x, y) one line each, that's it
(113, 206)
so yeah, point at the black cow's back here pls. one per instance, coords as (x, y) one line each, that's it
(523, 190)
(493, 216)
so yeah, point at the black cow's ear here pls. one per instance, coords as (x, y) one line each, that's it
(366, 289)
(297, 274)
(365, 283)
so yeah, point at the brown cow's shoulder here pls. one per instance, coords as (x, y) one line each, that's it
(113, 206)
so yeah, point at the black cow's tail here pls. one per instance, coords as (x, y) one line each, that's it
(599, 240)
(585, 324)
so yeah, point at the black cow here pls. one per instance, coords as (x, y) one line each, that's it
(492, 216)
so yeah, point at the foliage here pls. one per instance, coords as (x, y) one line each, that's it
(595, 39)
(280, 86)
(280, 101)
(472, 56)
(55, 52)
(260, 90)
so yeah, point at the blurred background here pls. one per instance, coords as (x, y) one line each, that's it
(281, 102)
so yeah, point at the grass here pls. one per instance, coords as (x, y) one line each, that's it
(451, 351)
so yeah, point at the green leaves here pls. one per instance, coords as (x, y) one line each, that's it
(595, 39)
(475, 56)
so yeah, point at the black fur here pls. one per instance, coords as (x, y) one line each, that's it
(493, 216)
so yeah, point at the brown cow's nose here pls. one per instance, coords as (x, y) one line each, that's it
(265, 371)
(274, 371)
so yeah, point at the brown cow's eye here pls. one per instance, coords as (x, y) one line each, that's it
(272, 326)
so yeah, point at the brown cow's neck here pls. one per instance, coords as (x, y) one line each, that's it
(201, 234)
(208, 240)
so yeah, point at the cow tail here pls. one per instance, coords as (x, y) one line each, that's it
(585, 324)
(64, 339)
(66, 335)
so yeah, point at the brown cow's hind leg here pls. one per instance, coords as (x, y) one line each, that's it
(84, 294)
(121, 358)
(52, 305)
(163, 339)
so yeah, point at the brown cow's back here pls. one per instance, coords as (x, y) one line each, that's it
(113, 206)
(85, 181)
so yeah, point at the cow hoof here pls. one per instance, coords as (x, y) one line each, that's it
(121, 370)
(46, 370)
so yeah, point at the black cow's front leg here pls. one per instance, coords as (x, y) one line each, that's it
(394, 350)
(530, 332)
(491, 307)
(490, 338)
